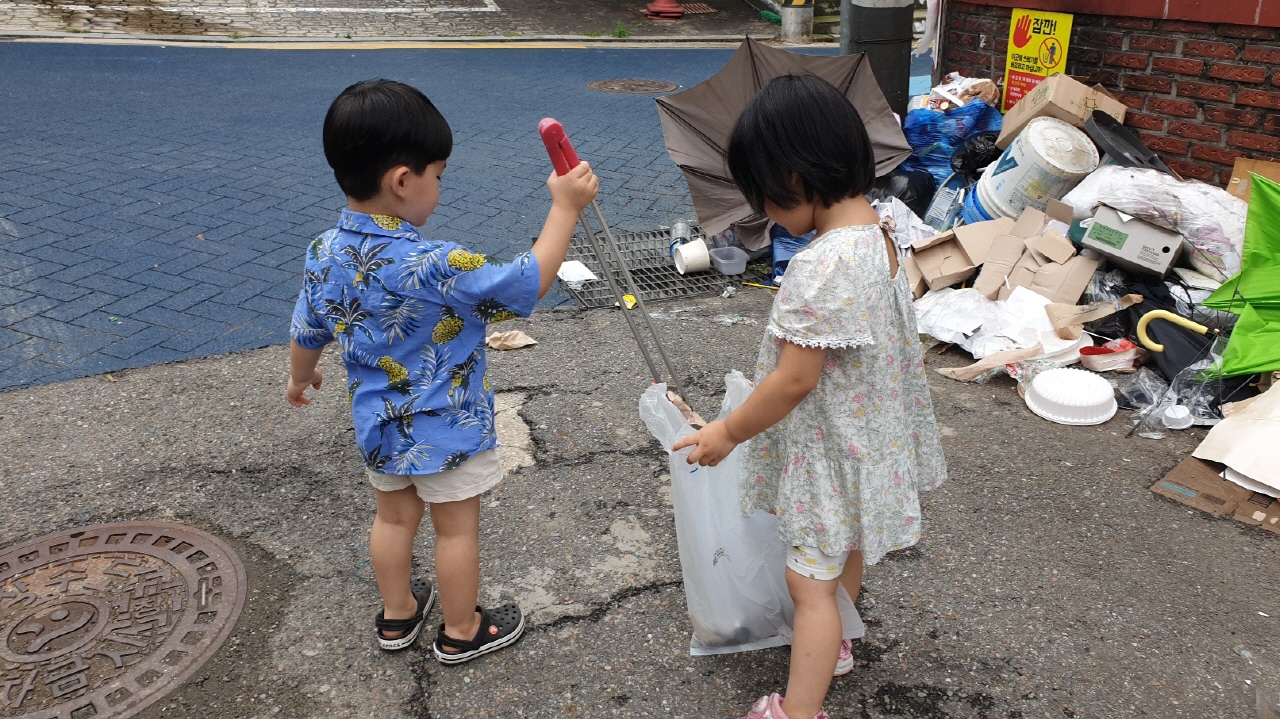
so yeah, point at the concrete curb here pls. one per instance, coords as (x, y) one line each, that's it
(356, 42)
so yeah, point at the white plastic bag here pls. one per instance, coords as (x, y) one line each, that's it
(734, 567)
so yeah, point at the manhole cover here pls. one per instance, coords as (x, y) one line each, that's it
(633, 87)
(101, 621)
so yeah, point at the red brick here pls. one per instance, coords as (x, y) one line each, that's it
(1131, 60)
(978, 24)
(1177, 65)
(1101, 38)
(964, 7)
(1143, 122)
(1089, 57)
(968, 56)
(1273, 123)
(1204, 48)
(1152, 43)
(1131, 23)
(1215, 154)
(1258, 98)
(1098, 76)
(1229, 116)
(1196, 28)
(1130, 100)
(1253, 141)
(1275, 79)
(1203, 133)
(1238, 73)
(1246, 32)
(1262, 53)
(1203, 91)
(1001, 44)
(1176, 108)
(1147, 83)
(962, 39)
(1160, 143)
(1193, 170)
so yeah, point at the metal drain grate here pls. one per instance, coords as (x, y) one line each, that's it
(655, 276)
(633, 86)
(698, 8)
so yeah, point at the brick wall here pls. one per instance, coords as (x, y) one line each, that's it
(1200, 95)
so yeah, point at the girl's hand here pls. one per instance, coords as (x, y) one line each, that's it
(712, 444)
(575, 190)
(297, 388)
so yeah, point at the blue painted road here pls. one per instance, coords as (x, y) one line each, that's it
(155, 202)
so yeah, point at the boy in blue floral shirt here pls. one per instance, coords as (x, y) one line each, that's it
(409, 315)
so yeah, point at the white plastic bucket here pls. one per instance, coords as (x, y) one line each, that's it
(1045, 160)
(990, 203)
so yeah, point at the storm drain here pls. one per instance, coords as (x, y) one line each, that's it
(648, 256)
(698, 8)
(102, 621)
(630, 86)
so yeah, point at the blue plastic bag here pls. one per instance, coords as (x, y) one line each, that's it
(935, 136)
(784, 247)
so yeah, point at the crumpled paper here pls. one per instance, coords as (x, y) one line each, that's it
(509, 340)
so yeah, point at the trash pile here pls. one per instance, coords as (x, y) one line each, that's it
(1061, 240)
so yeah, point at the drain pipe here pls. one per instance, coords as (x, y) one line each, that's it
(883, 30)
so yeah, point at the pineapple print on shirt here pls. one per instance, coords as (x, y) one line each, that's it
(409, 315)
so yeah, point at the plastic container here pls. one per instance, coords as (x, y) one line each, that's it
(729, 260)
(972, 210)
(989, 203)
(1177, 417)
(1045, 161)
(1071, 396)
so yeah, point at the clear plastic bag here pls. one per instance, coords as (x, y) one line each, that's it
(1197, 388)
(733, 566)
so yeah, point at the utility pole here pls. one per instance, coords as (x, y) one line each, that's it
(883, 30)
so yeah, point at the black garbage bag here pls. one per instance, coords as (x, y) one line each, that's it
(914, 187)
(973, 156)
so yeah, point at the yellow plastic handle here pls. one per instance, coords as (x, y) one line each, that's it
(1165, 315)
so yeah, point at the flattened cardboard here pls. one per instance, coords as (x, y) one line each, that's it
(1061, 97)
(914, 276)
(1022, 274)
(976, 239)
(1054, 246)
(1133, 244)
(1064, 283)
(1005, 252)
(1030, 223)
(1259, 510)
(1196, 483)
(942, 260)
(1241, 181)
(1246, 440)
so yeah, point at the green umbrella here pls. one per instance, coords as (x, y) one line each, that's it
(1254, 293)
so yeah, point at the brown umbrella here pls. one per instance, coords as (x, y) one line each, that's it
(696, 124)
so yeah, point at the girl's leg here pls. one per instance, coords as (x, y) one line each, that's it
(391, 548)
(815, 646)
(851, 577)
(458, 564)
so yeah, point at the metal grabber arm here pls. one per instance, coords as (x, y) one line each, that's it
(563, 159)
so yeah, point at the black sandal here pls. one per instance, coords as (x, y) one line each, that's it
(411, 627)
(499, 628)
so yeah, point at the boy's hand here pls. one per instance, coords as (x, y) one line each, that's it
(712, 444)
(575, 190)
(297, 388)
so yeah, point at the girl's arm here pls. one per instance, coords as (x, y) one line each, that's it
(798, 372)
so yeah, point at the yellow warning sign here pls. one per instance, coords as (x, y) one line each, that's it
(1037, 49)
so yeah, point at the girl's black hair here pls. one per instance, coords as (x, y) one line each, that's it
(376, 125)
(800, 126)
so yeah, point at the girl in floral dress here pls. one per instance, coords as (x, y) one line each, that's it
(839, 431)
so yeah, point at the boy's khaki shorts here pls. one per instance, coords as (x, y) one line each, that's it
(475, 476)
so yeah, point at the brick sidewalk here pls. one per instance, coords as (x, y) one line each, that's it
(155, 202)
(375, 18)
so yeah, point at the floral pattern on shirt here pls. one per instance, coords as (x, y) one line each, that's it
(844, 469)
(409, 315)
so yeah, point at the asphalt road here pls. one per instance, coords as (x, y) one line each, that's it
(1050, 581)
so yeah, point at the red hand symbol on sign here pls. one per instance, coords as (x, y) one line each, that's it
(1022, 32)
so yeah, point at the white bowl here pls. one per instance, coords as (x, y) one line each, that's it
(1071, 396)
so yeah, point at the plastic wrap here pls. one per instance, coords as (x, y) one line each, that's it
(974, 154)
(934, 136)
(1209, 218)
(734, 567)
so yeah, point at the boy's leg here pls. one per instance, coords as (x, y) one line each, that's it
(457, 526)
(815, 646)
(391, 548)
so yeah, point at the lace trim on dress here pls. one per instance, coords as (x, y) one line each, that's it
(861, 340)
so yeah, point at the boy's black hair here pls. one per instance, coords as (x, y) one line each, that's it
(801, 126)
(376, 125)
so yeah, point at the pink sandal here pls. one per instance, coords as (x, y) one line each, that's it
(770, 707)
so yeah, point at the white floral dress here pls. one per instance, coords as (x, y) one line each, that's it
(844, 470)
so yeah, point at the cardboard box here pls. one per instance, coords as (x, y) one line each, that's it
(1259, 510)
(1005, 252)
(1061, 97)
(1036, 256)
(942, 260)
(914, 276)
(1133, 244)
(976, 239)
(1063, 282)
(1196, 483)
(1241, 181)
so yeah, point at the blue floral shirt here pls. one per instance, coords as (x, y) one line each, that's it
(409, 315)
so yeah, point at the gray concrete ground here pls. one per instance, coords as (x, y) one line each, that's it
(1050, 582)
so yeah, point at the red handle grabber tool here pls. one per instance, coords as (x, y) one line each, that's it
(563, 159)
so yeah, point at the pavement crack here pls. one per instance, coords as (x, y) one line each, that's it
(599, 611)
